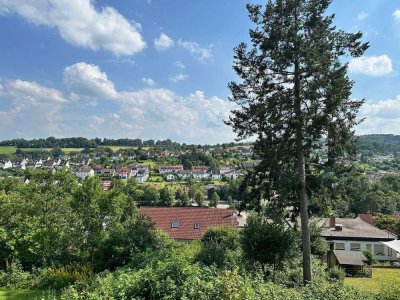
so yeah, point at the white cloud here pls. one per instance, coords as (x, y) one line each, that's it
(32, 93)
(154, 113)
(396, 15)
(163, 42)
(81, 24)
(180, 65)
(380, 117)
(362, 15)
(148, 81)
(35, 109)
(87, 80)
(179, 77)
(372, 65)
(200, 53)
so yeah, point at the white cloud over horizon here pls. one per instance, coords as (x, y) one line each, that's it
(372, 65)
(81, 24)
(380, 117)
(155, 113)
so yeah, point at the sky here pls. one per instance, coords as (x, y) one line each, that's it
(158, 69)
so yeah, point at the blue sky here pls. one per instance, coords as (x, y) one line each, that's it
(159, 69)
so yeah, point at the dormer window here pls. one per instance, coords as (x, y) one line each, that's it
(175, 224)
(196, 225)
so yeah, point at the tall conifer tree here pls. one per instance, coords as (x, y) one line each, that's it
(294, 92)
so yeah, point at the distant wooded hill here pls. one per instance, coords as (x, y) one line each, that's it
(383, 143)
(81, 142)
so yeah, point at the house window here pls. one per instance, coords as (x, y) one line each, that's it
(339, 246)
(368, 247)
(196, 225)
(379, 250)
(355, 247)
(390, 252)
(175, 224)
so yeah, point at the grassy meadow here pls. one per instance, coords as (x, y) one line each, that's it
(382, 278)
(16, 294)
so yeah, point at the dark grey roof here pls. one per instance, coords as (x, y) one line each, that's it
(355, 258)
(353, 228)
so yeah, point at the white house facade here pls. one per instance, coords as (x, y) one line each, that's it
(358, 235)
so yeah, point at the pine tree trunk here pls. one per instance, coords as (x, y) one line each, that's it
(301, 173)
(305, 232)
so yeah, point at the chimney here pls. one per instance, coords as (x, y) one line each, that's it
(332, 221)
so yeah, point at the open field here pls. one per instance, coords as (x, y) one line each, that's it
(381, 278)
(7, 149)
(14, 294)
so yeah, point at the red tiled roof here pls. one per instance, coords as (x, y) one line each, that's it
(180, 167)
(187, 217)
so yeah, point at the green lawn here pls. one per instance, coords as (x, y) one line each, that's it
(13, 294)
(381, 278)
(7, 149)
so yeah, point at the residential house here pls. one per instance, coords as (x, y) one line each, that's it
(142, 176)
(233, 174)
(108, 173)
(184, 174)
(164, 153)
(117, 156)
(170, 177)
(216, 175)
(23, 180)
(6, 164)
(49, 164)
(200, 174)
(84, 172)
(106, 184)
(189, 223)
(38, 164)
(170, 169)
(225, 169)
(357, 235)
(98, 169)
(124, 173)
(199, 168)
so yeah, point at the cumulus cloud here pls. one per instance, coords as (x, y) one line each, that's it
(163, 42)
(380, 117)
(155, 113)
(200, 53)
(396, 15)
(178, 77)
(34, 109)
(148, 81)
(81, 24)
(88, 80)
(372, 65)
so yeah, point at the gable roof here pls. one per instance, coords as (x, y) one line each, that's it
(355, 229)
(187, 217)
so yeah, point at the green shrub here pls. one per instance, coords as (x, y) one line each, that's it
(57, 278)
(371, 257)
(16, 277)
(336, 274)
